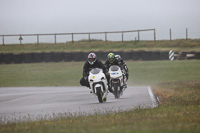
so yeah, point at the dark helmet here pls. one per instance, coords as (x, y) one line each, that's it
(111, 57)
(92, 58)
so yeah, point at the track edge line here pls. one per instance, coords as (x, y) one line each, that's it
(154, 100)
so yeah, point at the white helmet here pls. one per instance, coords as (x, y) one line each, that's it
(118, 57)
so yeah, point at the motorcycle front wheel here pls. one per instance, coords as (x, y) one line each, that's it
(116, 92)
(99, 94)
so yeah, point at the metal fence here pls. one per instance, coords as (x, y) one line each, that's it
(20, 37)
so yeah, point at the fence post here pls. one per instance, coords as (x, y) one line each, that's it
(105, 36)
(135, 40)
(3, 39)
(55, 38)
(89, 37)
(170, 34)
(72, 37)
(138, 35)
(154, 35)
(186, 34)
(122, 36)
(38, 42)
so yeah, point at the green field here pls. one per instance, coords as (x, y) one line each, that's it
(69, 73)
(176, 83)
(97, 45)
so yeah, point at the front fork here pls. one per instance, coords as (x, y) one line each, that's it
(103, 89)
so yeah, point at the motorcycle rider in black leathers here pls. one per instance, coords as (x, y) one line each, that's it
(91, 63)
(118, 57)
(112, 60)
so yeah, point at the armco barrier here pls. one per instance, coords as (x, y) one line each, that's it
(82, 56)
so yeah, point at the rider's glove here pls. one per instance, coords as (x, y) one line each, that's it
(123, 71)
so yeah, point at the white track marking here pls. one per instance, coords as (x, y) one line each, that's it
(154, 103)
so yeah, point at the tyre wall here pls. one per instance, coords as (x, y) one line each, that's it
(82, 56)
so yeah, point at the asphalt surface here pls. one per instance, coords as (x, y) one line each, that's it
(32, 103)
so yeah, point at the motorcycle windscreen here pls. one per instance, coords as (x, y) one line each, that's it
(95, 71)
(114, 68)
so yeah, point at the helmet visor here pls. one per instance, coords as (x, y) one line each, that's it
(111, 59)
(91, 59)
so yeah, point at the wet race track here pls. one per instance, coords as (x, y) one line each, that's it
(32, 103)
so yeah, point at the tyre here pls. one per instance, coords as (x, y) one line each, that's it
(68, 57)
(38, 57)
(116, 92)
(8, 58)
(99, 94)
(28, 58)
(18, 58)
(48, 57)
(1, 58)
(57, 57)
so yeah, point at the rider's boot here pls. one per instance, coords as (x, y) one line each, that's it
(125, 82)
(109, 88)
(89, 88)
(105, 99)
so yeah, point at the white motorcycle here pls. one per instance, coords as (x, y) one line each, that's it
(118, 82)
(98, 84)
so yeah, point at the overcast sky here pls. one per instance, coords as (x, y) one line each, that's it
(65, 16)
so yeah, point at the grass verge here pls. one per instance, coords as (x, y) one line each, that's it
(161, 45)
